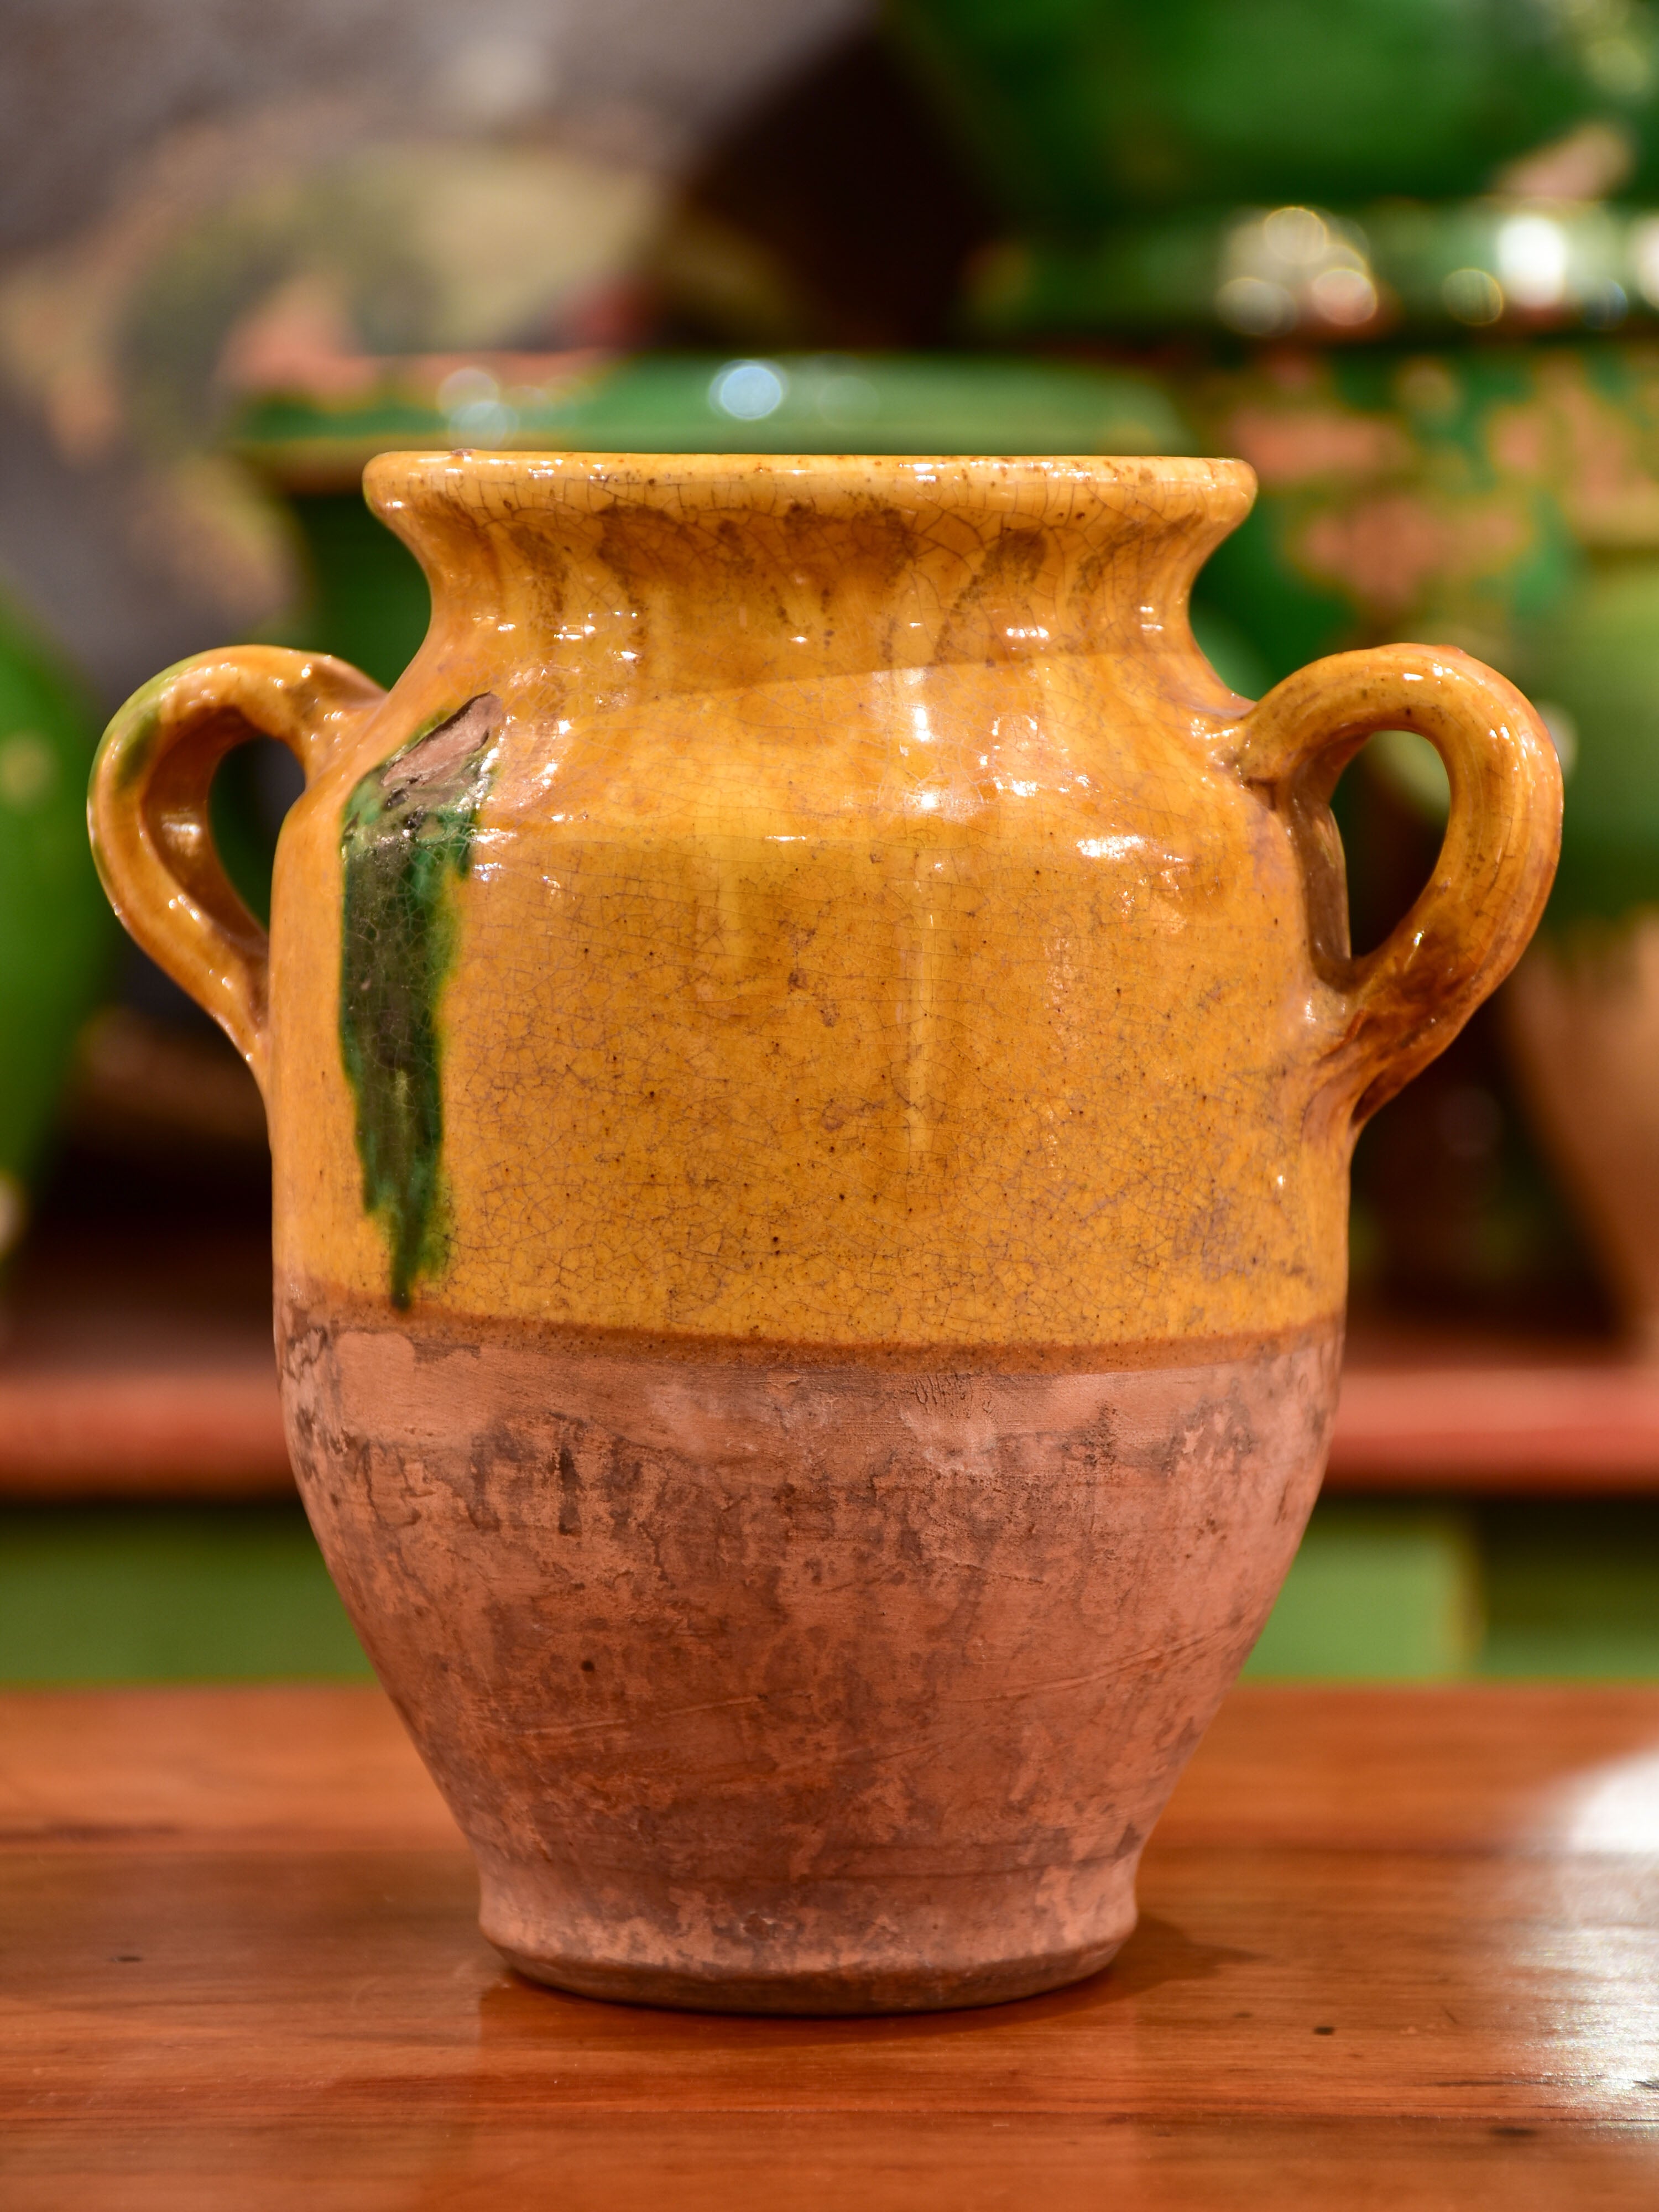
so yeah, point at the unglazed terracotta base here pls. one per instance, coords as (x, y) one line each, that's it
(800, 1687)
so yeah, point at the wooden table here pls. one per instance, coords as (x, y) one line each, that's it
(1398, 1949)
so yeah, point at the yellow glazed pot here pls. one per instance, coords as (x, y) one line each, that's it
(812, 1056)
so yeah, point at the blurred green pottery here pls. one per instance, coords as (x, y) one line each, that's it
(1402, 494)
(1582, 1010)
(1078, 109)
(56, 940)
(369, 601)
(1505, 499)
(1582, 1016)
(1596, 660)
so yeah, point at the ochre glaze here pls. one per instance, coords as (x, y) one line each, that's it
(812, 1053)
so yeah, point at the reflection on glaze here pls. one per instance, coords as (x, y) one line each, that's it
(406, 832)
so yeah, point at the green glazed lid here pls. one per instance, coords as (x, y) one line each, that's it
(1079, 110)
(1510, 264)
(668, 402)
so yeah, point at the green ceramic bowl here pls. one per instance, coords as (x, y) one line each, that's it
(1077, 109)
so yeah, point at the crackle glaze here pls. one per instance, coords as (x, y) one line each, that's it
(812, 1054)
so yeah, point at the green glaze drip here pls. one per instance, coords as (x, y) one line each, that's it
(405, 834)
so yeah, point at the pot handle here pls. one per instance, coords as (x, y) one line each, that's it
(147, 810)
(1468, 927)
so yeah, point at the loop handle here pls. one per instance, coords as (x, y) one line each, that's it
(147, 810)
(1468, 927)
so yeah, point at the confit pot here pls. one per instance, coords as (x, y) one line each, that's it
(813, 1055)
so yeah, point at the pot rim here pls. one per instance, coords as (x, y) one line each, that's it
(1171, 488)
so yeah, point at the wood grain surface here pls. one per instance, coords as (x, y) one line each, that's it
(1399, 1948)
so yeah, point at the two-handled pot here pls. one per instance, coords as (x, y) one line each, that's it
(813, 1055)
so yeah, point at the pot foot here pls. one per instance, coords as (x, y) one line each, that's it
(851, 1990)
(810, 1946)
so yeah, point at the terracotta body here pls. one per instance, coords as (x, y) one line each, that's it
(812, 1056)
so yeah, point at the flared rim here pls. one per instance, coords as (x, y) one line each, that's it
(1171, 487)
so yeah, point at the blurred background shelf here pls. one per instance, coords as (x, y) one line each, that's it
(135, 1357)
(114, 1408)
(1476, 1411)
(1492, 1505)
(141, 1366)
